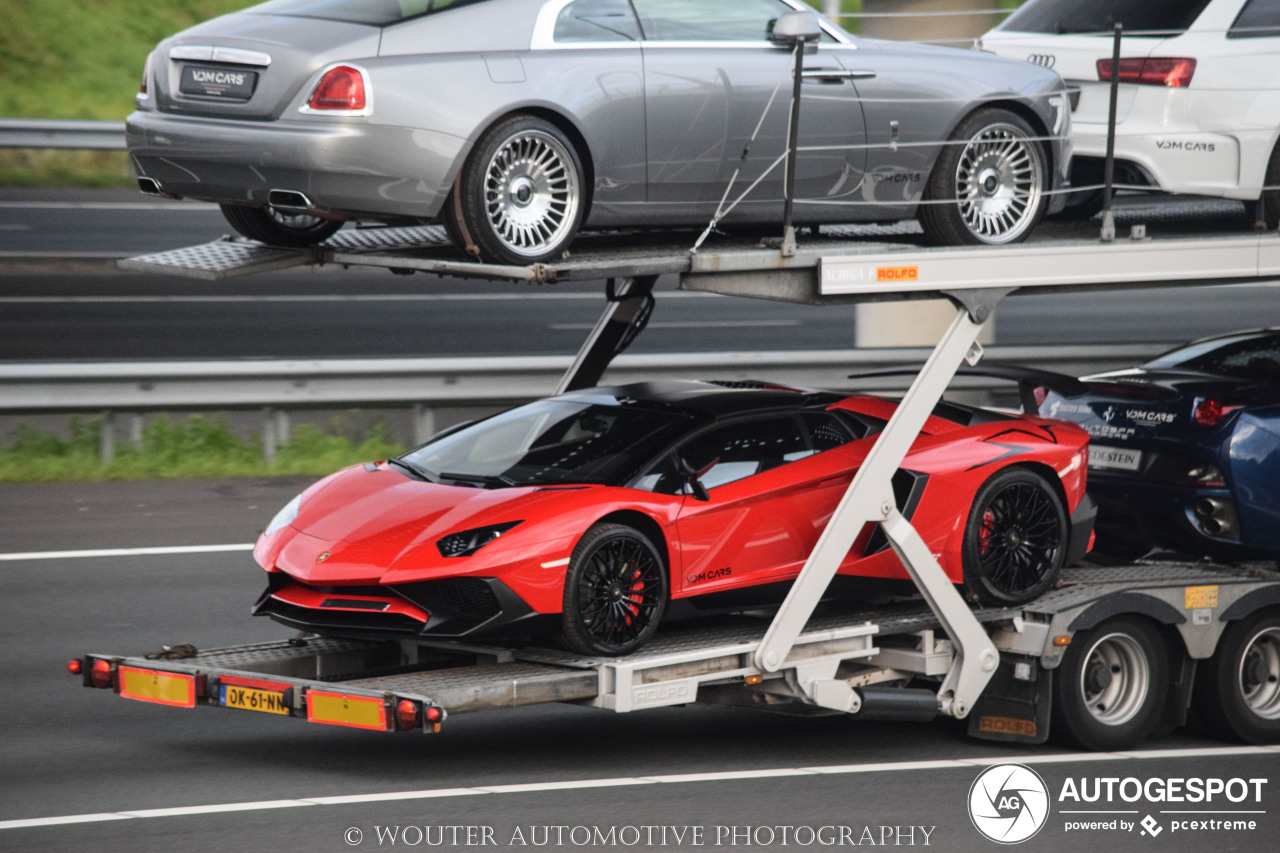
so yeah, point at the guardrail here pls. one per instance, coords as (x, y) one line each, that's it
(426, 384)
(61, 133)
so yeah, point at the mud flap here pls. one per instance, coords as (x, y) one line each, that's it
(1015, 705)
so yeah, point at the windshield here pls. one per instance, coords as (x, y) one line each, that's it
(1249, 356)
(550, 442)
(1170, 17)
(376, 13)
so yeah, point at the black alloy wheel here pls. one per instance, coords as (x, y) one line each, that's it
(615, 591)
(1015, 541)
(278, 228)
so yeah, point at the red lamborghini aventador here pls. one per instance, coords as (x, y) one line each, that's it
(594, 514)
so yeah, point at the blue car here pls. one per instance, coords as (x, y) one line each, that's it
(1184, 451)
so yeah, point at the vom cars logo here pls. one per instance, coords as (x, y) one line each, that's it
(1008, 803)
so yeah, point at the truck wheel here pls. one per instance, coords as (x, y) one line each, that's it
(615, 591)
(275, 228)
(1111, 688)
(1015, 540)
(988, 184)
(521, 192)
(1237, 691)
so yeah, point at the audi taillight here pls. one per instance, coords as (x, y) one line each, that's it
(1151, 71)
(341, 88)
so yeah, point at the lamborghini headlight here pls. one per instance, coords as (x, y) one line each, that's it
(284, 517)
(464, 543)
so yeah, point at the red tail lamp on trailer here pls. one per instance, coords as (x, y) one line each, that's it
(407, 714)
(75, 667)
(100, 673)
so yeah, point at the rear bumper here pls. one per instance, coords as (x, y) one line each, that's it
(1134, 516)
(348, 170)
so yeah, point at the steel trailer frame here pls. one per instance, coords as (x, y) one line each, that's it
(973, 279)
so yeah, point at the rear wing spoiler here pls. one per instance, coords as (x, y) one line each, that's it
(1028, 379)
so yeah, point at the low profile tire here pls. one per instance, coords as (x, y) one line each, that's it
(1237, 691)
(276, 228)
(1110, 691)
(988, 184)
(1015, 538)
(615, 591)
(521, 193)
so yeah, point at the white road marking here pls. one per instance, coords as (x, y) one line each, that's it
(636, 781)
(689, 324)
(204, 207)
(355, 297)
(125, 552)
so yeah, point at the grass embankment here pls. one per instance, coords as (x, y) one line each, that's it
(82, 59)
(197, 447)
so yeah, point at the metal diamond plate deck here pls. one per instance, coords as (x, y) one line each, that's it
(220, 259)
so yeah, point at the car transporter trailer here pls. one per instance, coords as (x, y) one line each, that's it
(1115, 648)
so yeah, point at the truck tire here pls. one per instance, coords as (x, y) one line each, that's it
(1015, 539)
(1110, 690)
(615, 591)
(1237, 691)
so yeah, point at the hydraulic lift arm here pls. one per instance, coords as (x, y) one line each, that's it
(869, 499)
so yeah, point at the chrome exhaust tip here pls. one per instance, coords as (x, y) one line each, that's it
(150, 186)
(289, 200)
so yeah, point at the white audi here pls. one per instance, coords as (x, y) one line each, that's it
(1199, 96)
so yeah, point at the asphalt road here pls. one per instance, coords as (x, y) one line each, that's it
(117, 775)
(75, 305)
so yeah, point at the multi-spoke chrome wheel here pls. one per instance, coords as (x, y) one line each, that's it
(1016, 539)
(998, 183)
(615, 591)
(988, 183)
(531, 192)
(521, 192)
(1237, 691)
(1111, 687)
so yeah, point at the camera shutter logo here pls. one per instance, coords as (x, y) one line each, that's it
(1008, 803)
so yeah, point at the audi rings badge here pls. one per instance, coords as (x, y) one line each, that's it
(1047, 60)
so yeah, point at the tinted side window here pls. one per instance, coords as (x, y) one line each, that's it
(597, 20)
(708, 20)
(734, 451)
(1101, 16)
(1257, 18)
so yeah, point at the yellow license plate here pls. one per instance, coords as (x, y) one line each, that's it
(341, 709)
(162, 688)
(253, 699)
